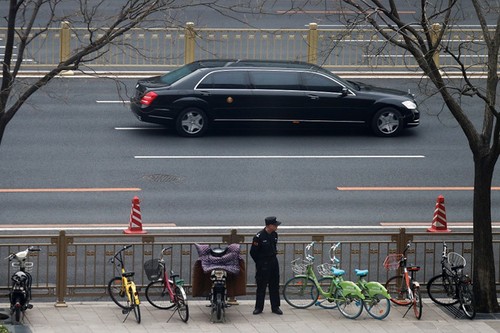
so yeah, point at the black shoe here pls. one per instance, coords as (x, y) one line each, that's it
(278, 311)
(257, 311)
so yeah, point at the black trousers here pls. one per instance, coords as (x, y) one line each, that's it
(268, 274)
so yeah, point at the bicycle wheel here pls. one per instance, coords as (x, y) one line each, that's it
(467, 300)
(325, 302)
(300, 292)
(137, 313)
(417, 301)
(350, 306)
(396, 287)
(219, 308)
(442, 290)
(377, 306)
(117, 293)
(157, 295)
(182, 306)
(17, 312)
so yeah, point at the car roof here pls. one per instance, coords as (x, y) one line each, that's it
(211, 63)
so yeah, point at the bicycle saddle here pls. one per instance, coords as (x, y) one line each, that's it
(361, 272)
(337, 272)
(218, 251)
(128, 274)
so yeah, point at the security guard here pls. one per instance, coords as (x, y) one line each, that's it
(263, 252)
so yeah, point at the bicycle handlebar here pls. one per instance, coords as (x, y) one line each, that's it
(445, 250)
(333, 249)
(118, 253)
(406, 248)
(22, 254)
(308, 248)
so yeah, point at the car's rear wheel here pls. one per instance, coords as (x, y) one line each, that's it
(191, 122)
(387, 122)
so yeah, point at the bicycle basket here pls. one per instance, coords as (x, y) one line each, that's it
(325, 269)
(299, 266)
(455, 259)
(153, 269)
(392, 261)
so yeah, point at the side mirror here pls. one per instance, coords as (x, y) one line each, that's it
(345, 92)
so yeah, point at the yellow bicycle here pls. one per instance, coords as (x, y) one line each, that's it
(122, 289)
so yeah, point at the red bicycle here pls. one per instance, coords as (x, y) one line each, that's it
(403, 288)
(165, 292)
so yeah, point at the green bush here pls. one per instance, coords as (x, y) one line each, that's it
(3, 329)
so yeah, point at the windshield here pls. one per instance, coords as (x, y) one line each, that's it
(179, 73)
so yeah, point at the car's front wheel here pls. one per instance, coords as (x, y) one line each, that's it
(387, 122)
(191, 122)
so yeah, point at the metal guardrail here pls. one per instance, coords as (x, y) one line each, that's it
(75, 266)
(334, 48)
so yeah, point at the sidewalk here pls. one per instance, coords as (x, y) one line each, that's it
(105, 317)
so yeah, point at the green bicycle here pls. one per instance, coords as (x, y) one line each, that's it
(377, 299)
(304, 290)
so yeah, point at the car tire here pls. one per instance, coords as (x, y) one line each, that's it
(191, 122)
(387, 122)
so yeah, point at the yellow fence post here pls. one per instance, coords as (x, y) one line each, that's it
(64, 39)
(62, 269)
(435, 31)
(189, 43)
(312, 43)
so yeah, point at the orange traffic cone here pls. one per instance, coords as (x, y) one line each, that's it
(439, 223)
(135, 225)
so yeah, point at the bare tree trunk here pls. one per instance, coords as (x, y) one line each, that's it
(484, 262)
(3, 125)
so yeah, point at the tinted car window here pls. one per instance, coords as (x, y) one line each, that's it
(317, 82)
(275, 80)
(225, 80)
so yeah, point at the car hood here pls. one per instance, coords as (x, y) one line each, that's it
(367, 87)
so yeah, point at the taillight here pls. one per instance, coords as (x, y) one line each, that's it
(148, 98)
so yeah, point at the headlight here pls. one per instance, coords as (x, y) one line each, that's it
(410, 105)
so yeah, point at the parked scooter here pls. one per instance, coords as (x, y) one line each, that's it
(219, 263)
(20, 291)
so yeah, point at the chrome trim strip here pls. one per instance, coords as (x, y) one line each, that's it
(160, 117)
(291, 121)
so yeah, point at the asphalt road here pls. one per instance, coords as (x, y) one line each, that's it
(76, 155)
(262, 14)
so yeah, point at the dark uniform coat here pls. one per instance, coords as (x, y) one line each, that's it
(263, 252)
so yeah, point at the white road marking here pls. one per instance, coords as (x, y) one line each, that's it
(173, 227)
(112, 102)
(275, 156)
(139, 128)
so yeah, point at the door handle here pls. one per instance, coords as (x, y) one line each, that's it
(313, 97)
(205, 93)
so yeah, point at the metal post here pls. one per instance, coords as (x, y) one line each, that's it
(189, 45)
(435, 32)
(401, 240)
(64, 39)
(312, 43)
(62, 269)
(233, 238)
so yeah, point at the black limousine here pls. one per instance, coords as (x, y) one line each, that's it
(204, 93)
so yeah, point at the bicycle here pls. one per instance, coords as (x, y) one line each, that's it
(165, 292)
(122, 289)
(403, 288)
(452, 286)
(20, 291)
(376, 301)
(303, 290)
